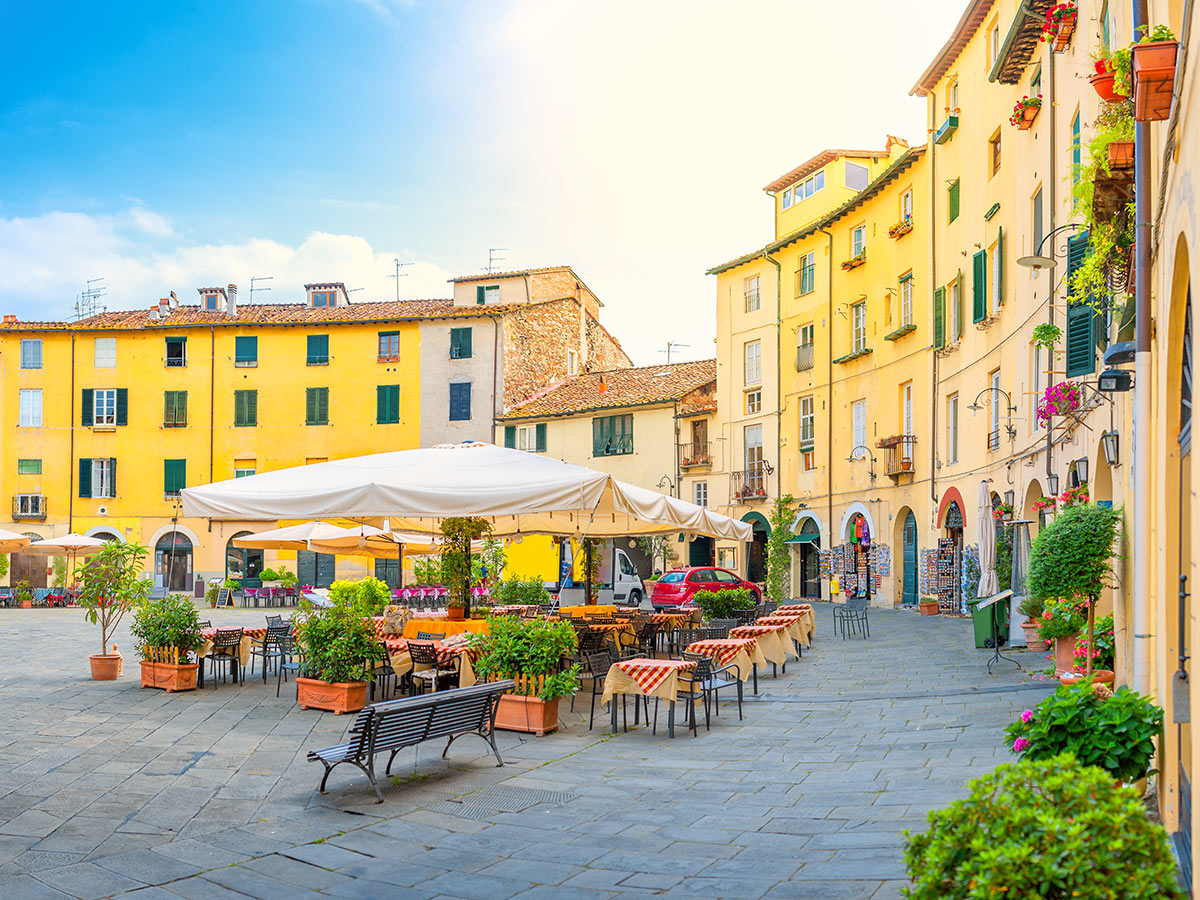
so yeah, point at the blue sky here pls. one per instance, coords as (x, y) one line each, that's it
(166, 145)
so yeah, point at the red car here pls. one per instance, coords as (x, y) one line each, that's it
(676, 587)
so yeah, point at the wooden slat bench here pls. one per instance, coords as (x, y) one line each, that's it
(393, 725)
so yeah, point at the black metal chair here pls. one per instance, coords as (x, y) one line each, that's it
(381, 673)
(723, 626)
(274, 620)
(268, 648)
(227, 644)
(205, 623)
(646, 637)
(851, 616)
(437, 674)
(291, 657)
(712, 682)
(595, 668)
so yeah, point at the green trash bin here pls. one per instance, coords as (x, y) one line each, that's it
(985, 620)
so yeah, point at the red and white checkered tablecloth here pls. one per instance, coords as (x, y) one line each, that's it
(652, 677)
(725, 650)
(793, 608)
(773, 640)
(447, 651)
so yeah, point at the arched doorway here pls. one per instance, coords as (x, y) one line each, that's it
(243, 564)
(858, 576)
(756, 547)
(950, 554)
(1027, 513)
(909, 556)
(173, 562)
(28, 567)
(105, 534)
(809, 540)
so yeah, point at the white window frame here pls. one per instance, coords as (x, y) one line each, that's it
(34, 345)
(102, 486)
(752, 363)
(858, 422)
(104, 407)
(907, 411)
(752, 437)
(526, 438)
(700, 493)
(952, 429)
(30, 415)
(952, 313)
(491, 294)
(751, 293)
(994, 394)
(753, 402)
(807, 421)
(906, 205)
(807, 333)
(31, 505)
(906, 298)
(789, 198)
(808, 273)
(858, 318)
(104, 353)
(858, 240)
(952, 95)
(572, 362)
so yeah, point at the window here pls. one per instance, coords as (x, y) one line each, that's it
(906, 206)
(532, 438)
(997, 272)
(104, 407)
(952, 429)
(612, 435)
(856, 176)
(994, 151)
(994, 396)
(174, 409)
(700, 493)
(752, 362)
(387, 404)
(1038, 226)
(858, 434)
(802, 190)
(245, 351)
(31, 353)
(952, 198)
(955, 310)
(1035, 81)
(859, 321)
(993, 43)
(906, 298)
(316, 406)
(858, 240)
(243, 473)
(324, 298)
(806, 335)
(750, 293)
(30, 506)
(29, 467)
(979, 286)
(1075, 151)
(485, 294)
(174, 476)
(952, 97)
(212, 300)
(906, 408)
(460, 343)
(807, 424)
(572, 362)
(318, 350)
(176, 357)
(806, 274)
(389, 346)
(753, 437)
(787, 198)
(98, 478)
(753, 402)
(245, 409)
(105, 353)
(31, 408)
(460, 401)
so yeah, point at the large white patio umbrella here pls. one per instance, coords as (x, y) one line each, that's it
(517, 492)
(70, 545)
(11, 542)
(290, 537)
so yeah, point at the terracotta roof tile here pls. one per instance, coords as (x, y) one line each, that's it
(622, 388)
(968, 24)
(488, 276)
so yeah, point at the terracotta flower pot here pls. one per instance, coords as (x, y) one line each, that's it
(1103, 83)
(169, 677)
(1120, 154)
(1153, 79)
(1033, 640)
(531, 715)
(1064, 655)
(26, 604)
(1028, 114)
(338, 697)
(105, 666)
(1062, 39)
(928, 608)
(1099, 676)
(455, 613)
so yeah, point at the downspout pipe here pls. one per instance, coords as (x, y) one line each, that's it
(829, 387)
(778, 373)
(933, 281)
(1142, 630)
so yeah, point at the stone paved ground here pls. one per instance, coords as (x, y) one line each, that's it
(108, 790)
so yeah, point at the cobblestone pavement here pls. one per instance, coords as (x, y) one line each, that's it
(109, 790)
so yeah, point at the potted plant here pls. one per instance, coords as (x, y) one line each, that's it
(169, 631)
(1062, 621)
(855, 261)
(1112, 730)
(901, 228)
(24, 595)
(1046, 822)
(724, 604)
(531, 653)
(1153, 66)
(1025, 111)
(340, 647)
(1104, 81)
(927, 606)
(1103, 655)
(110, 584)
(1060, 25)
(1033, 609)
(1072, 557)
(370, 594)
(457, 569)
(1059, 400)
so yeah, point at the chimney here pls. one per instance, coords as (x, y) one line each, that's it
(231, 299)
(154, 313)
(164, 307)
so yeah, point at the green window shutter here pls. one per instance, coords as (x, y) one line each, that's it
(252, 407)
(466, 344)
(122, 406)
(245, 349)
(87, 410)
(387, 404)
(460, 343)
(318, 349)
(541, 437)
(85, 477)
(380, 404)
(1081, 340)
(979, 286)
(168, 407)
(310, 406)
(480, 296)
(174, 475)
(112, 475)
(598, 437)
(323, 398)
(181, 408)
(29, 467)
(510, 436)
(998, 262)
(939, 318)
(627, 429)
(317, 406)
(394, 407)
(954, 198)
(958, 309)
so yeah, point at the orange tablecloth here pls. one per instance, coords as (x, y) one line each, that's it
(576, 611)
(652, 677)
(773, 640)
(740, 652)
(444, 626)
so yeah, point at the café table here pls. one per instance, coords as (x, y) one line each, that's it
(772, 641)
(447, 651)
(802, 609)
(445, 627)
(645, 677)
(740, 652)
(574, 612)
(796, 626)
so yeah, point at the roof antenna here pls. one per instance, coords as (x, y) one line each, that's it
(398, 276)
(85, 302)
(255, 279)
(494, 257)
(672, 345)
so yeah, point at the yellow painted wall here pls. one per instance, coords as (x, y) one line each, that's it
(833, 195)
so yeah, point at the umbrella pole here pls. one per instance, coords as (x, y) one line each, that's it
(587, 571)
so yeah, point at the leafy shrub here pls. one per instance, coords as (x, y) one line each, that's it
(515, 591)
(24, 592)
(724, 603)
(1063, 618)
(1043, 829)
(60, 572)
(369, 595)
(529, 647)
(282, 575)
(170, 622)
(1031, 607)
(1104, 656)
(340, 644)
(428, 570)
(1115, 734)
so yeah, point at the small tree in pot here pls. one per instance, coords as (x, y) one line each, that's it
(457, 570)
(530, 652)
(110, 584)
(169, 631)
(339, 648)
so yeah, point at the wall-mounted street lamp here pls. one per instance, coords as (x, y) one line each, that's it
(866, 452)
(1009, 497)
(1081, 470)
(976, 407)
(1052, 485)
(1110, 442)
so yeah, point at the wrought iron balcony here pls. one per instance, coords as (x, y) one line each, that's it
(694, 454)
(29, 506)
(901, 459)
(804, 357)
(749, 485)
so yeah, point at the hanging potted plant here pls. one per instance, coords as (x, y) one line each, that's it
(1104, 81)
(531, 652)
(1060, 25)
(1059, 400)
(1025, 111)
(340, 647)
(110, 584)
(169, 631)
(457, 569)
(1153, 66)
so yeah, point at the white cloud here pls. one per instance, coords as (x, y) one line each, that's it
(45, 260)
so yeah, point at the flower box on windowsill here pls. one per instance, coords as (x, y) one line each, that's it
(1060, 26)
(1120, 155)
(946, 130)
(855, 261)
(985, 324)
(947, 350)
(900, 332)
(900, 229)
(857, 354)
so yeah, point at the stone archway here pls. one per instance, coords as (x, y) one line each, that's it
(756, 547)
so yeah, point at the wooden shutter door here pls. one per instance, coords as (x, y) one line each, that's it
(979, 275)
(87, 414)
(85, 477)
(510, 436)
(939, 318)
(541, 438)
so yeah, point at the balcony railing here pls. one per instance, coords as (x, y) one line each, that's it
(29, 506)
(993, 440)
(902, 457)
(750, 484)
(696, 453)
(804, 357)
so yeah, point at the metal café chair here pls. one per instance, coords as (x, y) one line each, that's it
(227, 643)
(291, 656)
(268, 648)
(436, 673)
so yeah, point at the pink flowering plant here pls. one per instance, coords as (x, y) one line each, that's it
(1059, 399)
(1063, 618)
(1072, 496)
(1056, 17)
(1020, 107)
(1043, 503)
(1104, 653)
(1115, 733)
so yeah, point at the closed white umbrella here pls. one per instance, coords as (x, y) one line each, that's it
(11, 542)
(989, 584)
(517, 492)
